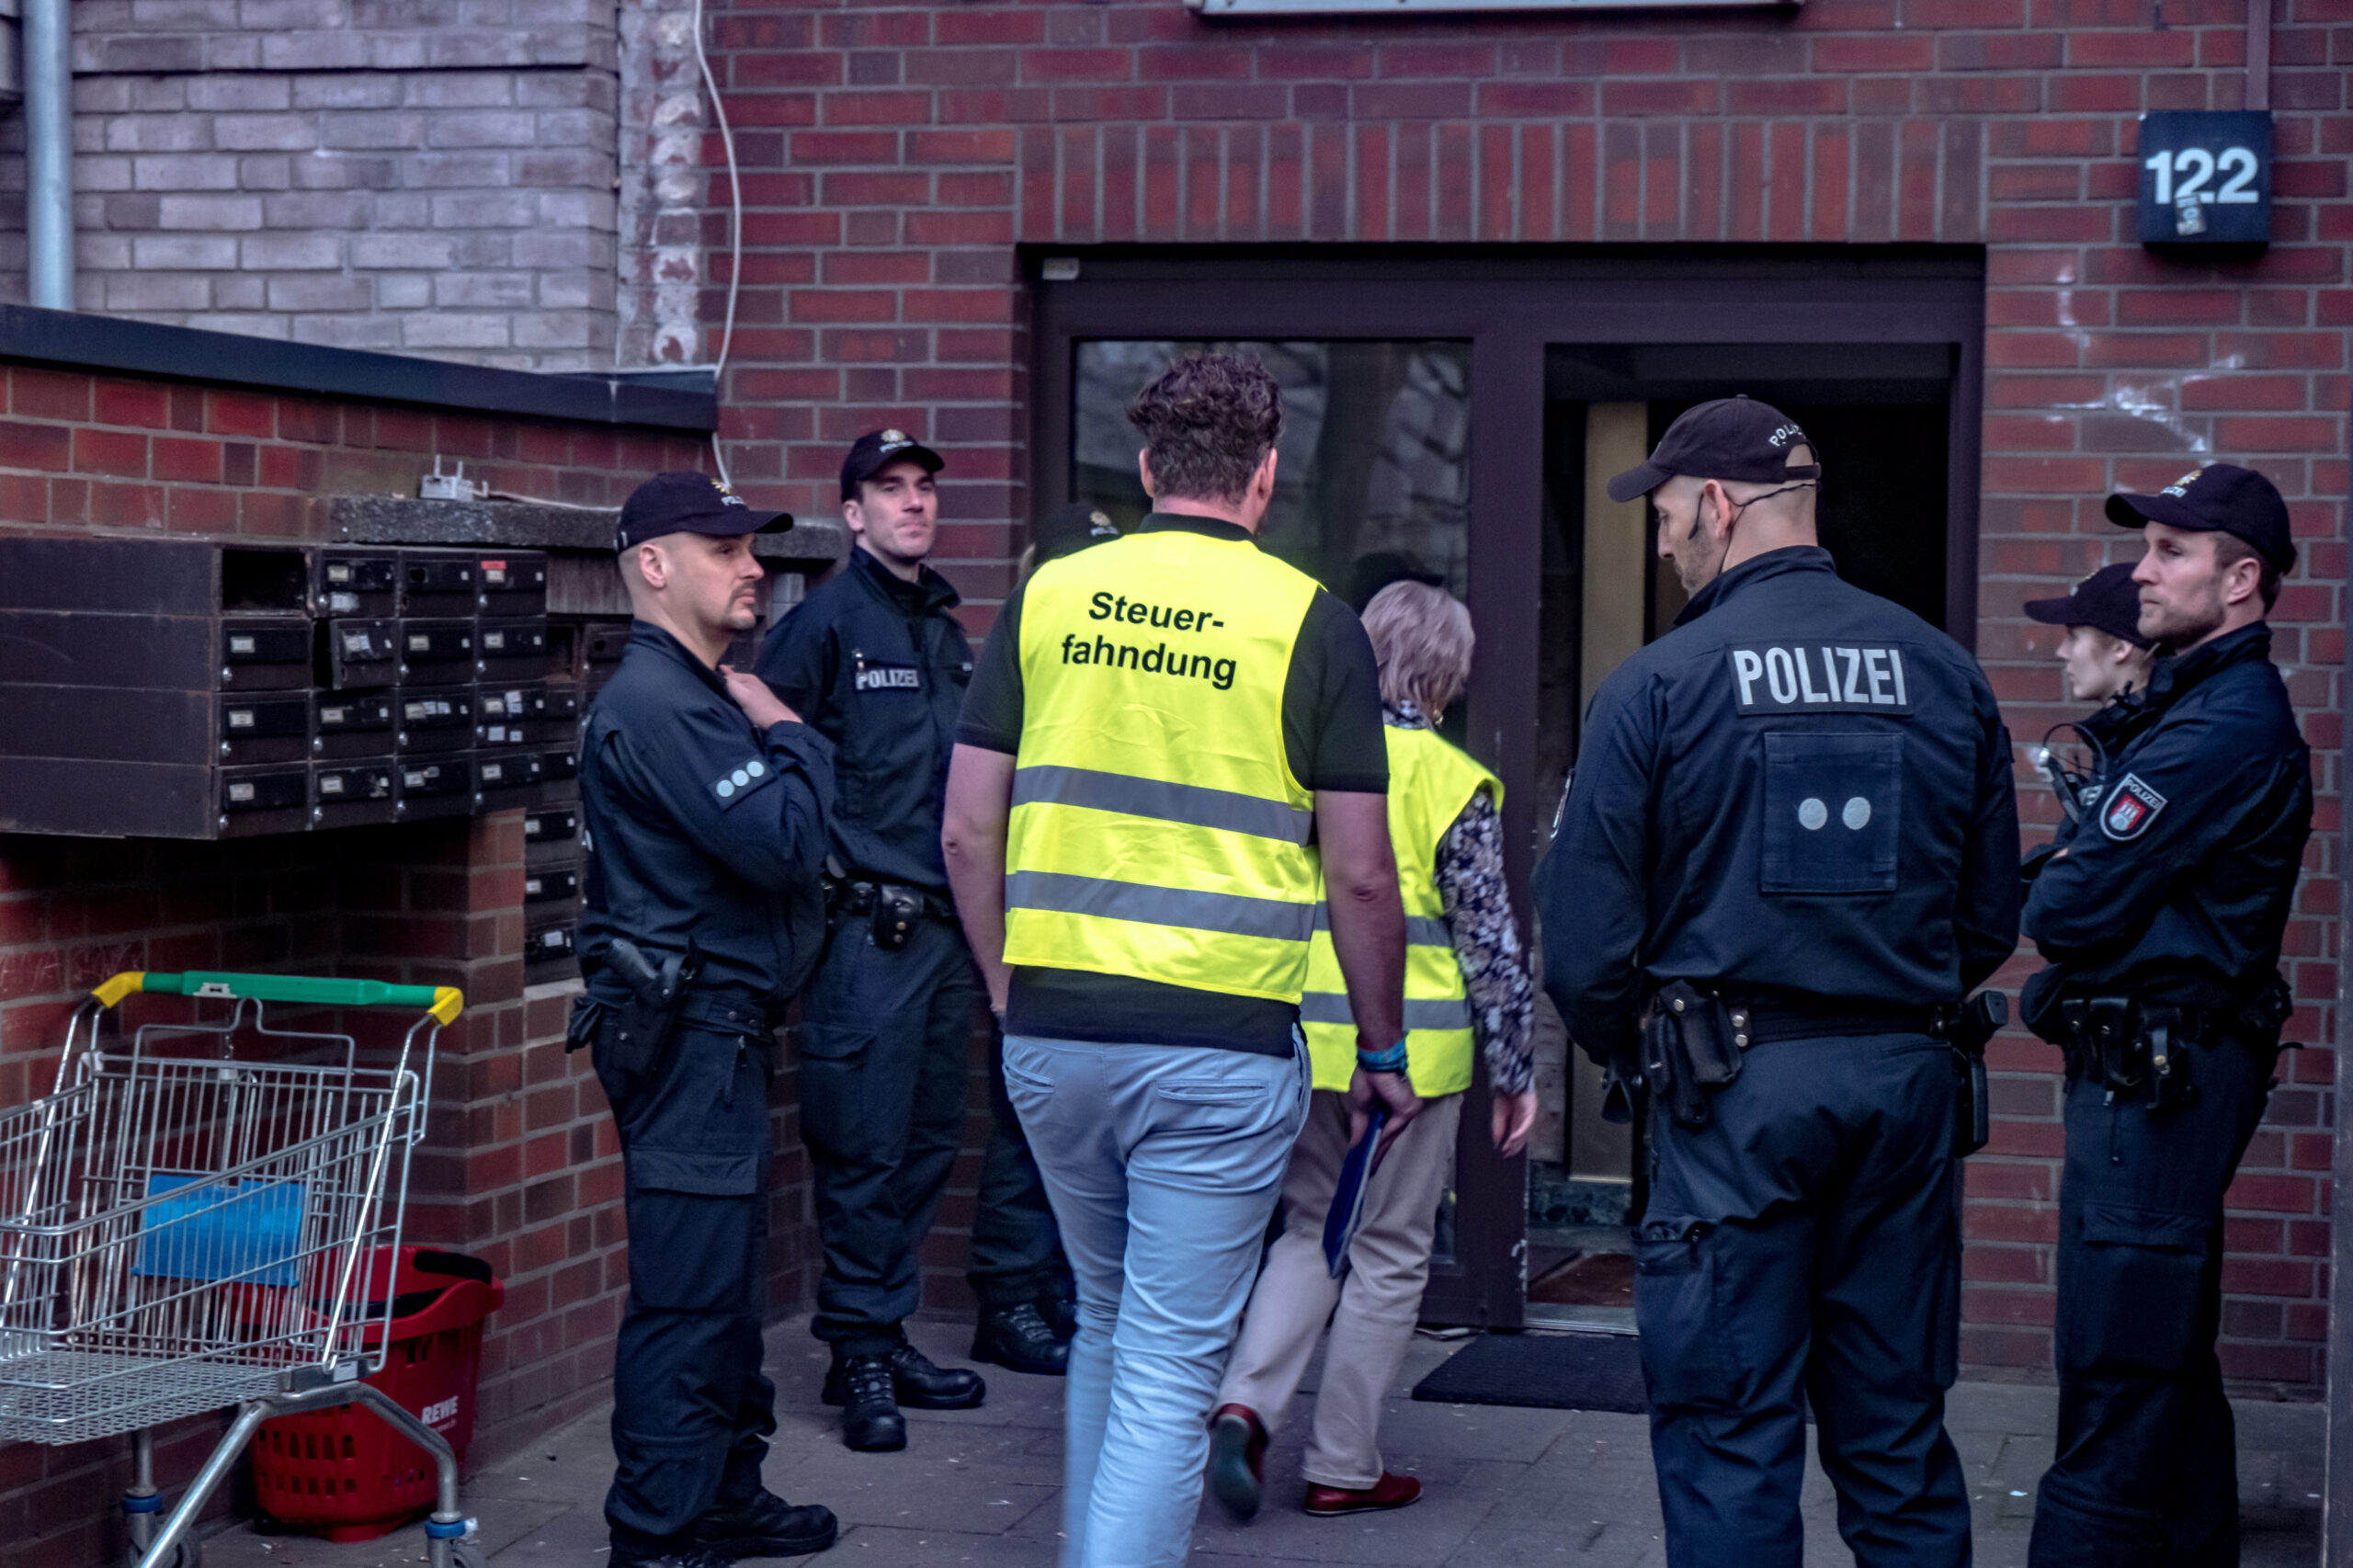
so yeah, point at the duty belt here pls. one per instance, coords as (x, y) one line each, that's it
(860, 898)
(1764, 1019)
(1693, 1041)
(2131, 1046)
(893, 907)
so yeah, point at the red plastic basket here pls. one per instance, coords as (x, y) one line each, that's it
(342, 1473)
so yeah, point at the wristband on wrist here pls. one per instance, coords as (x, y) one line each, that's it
(1390, 1061)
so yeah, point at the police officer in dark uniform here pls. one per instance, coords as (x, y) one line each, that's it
(1790, 851)
(704, 802)
(2102, 654)
(876, 661)
(2161, 906)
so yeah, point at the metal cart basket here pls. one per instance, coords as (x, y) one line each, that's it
(183, 1229)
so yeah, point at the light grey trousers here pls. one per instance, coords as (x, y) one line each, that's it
(1372, 1309)
(1163, 1164)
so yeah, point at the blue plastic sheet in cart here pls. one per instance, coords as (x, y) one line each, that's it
(213, 1230)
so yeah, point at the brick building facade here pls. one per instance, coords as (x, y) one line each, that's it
(536, 184)
(906, 170)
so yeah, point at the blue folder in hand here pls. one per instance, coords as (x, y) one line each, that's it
(1348, 1200)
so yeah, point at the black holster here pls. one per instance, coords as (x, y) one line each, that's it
(896, 910)
(580, 1029)
(1691, 1044)
(2125, 1046)
(1967, 1029)
(648, 1016)
(2269, 1012)
(892, 909)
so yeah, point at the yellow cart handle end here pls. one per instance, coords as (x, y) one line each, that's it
(129, 983)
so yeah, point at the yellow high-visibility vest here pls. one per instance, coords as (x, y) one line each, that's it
(1157, 830)
(1430, 780)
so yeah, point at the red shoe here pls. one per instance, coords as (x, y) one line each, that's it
(1389, 1491)
(1237, 1459)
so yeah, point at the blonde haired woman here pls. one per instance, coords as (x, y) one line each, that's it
(1467, 979)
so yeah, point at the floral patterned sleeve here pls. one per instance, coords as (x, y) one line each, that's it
(1477, 904)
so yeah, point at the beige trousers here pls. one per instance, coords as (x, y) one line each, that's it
(1372, 1309)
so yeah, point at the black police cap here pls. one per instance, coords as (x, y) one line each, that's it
(1732, 437)
(690, 504)
(1070, 527)
(2218, 498)
(877, 450)
(2107, 600)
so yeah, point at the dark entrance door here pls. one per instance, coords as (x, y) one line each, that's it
(1880, 417)
(1442, 404)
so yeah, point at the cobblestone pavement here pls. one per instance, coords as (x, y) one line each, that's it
(1505, 1488)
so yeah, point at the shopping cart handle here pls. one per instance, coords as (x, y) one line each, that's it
(444, 1002)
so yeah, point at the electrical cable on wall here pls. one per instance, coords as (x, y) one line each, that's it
(734, 234)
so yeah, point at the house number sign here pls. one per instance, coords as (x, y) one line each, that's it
(2206, 177)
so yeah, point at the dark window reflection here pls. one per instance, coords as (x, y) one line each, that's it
(1375, 447)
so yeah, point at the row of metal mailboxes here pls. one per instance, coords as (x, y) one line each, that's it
(552, 878)
(191, 577)
(279, 652)
(353, 654)
(119, 798)
(347, 582)
(99, 723)
(380, 790)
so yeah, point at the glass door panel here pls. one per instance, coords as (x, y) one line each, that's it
(1374, 476)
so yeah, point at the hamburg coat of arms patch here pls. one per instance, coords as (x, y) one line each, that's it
(2131, 807)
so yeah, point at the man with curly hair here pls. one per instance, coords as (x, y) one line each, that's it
(1166, 732)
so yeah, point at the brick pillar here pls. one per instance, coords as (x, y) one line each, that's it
(520, 1165)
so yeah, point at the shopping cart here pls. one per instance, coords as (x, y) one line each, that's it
(183, 1229)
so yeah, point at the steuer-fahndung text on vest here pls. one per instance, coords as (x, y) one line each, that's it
(1156, 658)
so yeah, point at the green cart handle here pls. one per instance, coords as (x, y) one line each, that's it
(444, 1002)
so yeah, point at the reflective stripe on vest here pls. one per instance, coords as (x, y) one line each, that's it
(1157, 830)
(1429, 783)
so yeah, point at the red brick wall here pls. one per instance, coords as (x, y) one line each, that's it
(113, 452)
(894, 155)
(521, 1164)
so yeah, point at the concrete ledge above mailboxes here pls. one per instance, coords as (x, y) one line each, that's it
(811, 544)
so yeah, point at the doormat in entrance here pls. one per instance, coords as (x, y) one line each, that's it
(1550, 1371)
(1588, 1280)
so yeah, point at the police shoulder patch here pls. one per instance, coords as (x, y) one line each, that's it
(2131, 807)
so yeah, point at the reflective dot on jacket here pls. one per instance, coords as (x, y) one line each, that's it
(1857, 812)
(1811, 813)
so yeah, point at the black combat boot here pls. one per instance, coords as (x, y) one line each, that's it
(915, 1380)
(861, 1385)
(1019, 1337)
(924, 1386)
(765, 1525)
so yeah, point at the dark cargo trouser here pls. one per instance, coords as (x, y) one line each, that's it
(2147, 1471)
(885, 1045)
(691, 1412)
(1802, 1247)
